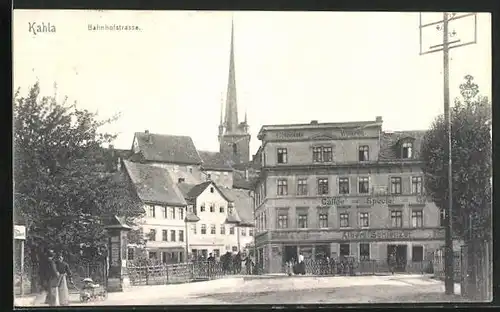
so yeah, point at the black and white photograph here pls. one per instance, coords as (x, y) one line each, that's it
(251, 157)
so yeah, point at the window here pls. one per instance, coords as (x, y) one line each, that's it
(190, 169)
(322, 186)
(323, 220)
(417, 218)
(164, 212)
(363, 153)
(407, 150)
(150, 211)
(250, 232)
(345, 250)
(364, 219)
(181, 214)
(302, 187)
(181, 235)
(416, 185)
(317, 154)
(231, 230)
(343, 185)
(282, 187)
(212, 207)
(344, 220)
(152, 235)
(222, 209)
(442, 217)
(282, 221)
(364, 185)
(211, 189)
(364, 251)
(282, 156)
(243, 232)
(302, 221)
(209, 176)
(203, 229)
(417, 253)
(223, 229)
(395, 185)
(193, 228)
(230, 209)
(212, 229)
(171, 213)
(327, 154)
(396, 218)
(172, 235)
(164, 235)
(180, 180)
(202, 207)
(152, 255)
(216, 253)
(130, 253)
(235, 149)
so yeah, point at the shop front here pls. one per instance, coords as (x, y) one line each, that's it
(408, 245)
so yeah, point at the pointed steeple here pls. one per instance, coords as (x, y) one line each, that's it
(231, 118)
(221, 122)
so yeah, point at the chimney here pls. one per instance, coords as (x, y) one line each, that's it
(149, 137)
(378, 119)
(314, 122)
(146, 131)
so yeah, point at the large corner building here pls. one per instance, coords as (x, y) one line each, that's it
(342, 189)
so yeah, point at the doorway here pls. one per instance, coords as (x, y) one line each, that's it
(400, 253)
(290, 253)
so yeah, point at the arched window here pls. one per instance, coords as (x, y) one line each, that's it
(235, 148)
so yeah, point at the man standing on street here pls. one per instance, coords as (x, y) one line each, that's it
(302, 265)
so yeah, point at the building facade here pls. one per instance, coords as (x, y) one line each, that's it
(342, 189)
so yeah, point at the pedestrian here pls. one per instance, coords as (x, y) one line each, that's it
(65, 277)
(248, 264)
(392, 262)
(302, 265)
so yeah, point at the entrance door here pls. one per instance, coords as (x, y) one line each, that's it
(400, 254)
(290, 253)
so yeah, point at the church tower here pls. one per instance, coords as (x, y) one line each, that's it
(234, 138)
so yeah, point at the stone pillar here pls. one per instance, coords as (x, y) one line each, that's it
(118, 279)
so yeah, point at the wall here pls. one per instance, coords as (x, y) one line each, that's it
(301, 153)
(210, 241)
(243, 147)
(160, 223)
(221, 178)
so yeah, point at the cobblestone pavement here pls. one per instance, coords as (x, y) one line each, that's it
(290, 290)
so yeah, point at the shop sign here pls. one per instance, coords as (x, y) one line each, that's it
(289, 134)
(19, 232)
(379, 234)
(352, 133)
(333, 201)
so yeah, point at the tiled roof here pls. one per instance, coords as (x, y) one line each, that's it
(154, 184)
(389, 143)
(214, 161)
(185, 188)
(167, 148)
(191, 217)
(240, 182)
(242, 204)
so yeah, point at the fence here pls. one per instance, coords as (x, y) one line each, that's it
(155, 273)
(477, 271)
(365, 267)
(438, 265)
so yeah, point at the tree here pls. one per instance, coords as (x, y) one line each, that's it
(63, 189)
(471, 163)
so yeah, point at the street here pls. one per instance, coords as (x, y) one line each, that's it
(287, 290)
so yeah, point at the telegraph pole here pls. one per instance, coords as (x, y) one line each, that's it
(445, 46)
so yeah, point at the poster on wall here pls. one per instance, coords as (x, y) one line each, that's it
(115, 254)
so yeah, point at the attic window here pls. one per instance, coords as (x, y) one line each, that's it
(407, 150)
(181, 180)
(212, 189)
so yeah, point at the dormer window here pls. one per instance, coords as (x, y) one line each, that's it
(407, 150)
(235, 149)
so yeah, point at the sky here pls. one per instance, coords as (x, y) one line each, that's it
(170, 76)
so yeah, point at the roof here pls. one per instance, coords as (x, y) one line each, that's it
(240, 182)
(389, 141)
(242, 203)
(154, 184)
(214, 161)
(191, 217)
(199, 188)
(167, 148)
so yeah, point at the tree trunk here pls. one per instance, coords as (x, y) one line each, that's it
(472, 262)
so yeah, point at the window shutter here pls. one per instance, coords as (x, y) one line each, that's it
(337, 186)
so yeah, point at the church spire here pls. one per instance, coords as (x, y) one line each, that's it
(231, 118)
